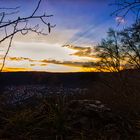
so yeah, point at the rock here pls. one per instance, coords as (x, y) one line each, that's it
(93, 118)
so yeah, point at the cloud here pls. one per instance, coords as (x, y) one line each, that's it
(17, 59)
(83, 66)
(76, 47)
(39, 51)
(58, 35)
(82, 51)
(43, 64)
(120, 20)
(68, 63)
(20, 59)
(47, 65)
(32, 65)
(28, 64)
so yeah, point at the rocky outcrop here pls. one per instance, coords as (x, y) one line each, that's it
(90, 119)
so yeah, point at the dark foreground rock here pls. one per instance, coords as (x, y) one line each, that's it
(89, 119)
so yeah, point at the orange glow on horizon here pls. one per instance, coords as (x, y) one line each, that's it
(81, 69)
(10, 69)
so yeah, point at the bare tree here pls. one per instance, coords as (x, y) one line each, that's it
(120, 51)
(130, 41)
(23, 25)
(109, 53)
(127, 6)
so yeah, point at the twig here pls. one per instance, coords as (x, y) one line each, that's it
(5, 25)
(10, 43)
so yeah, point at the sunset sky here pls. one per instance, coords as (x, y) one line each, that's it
(82, 23)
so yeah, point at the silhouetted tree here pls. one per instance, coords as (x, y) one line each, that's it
(126, 6)
(10, 26)
(120, 50)
(130, 41)
(110, 53)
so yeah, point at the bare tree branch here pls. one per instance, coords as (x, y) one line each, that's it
(125, 6)
(5, 8)
(10, 43)
(36, 8)
(21, 25)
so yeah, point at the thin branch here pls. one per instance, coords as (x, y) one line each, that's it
(25, 18)
(36, 8)
(10, 44)
(5, 8)
(25, 29)
(3, 15)
(126, 7)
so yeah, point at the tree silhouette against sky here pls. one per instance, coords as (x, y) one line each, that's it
(21, 25)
